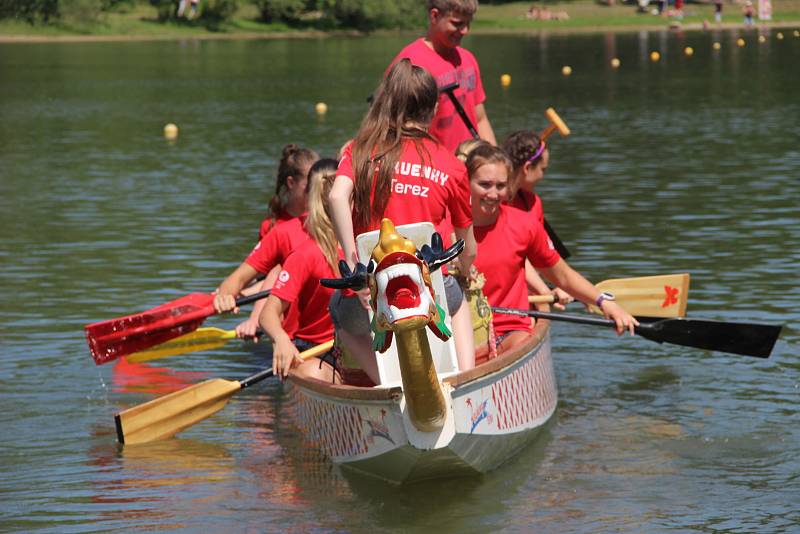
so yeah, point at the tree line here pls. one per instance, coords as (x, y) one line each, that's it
(322, 14)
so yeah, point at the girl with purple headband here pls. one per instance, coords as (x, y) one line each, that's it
(530, 157)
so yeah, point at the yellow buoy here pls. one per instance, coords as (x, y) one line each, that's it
(566, 70)
(739, 42)
(170, 131)
(688, 51)
(654, 56)
(717, 46)
(762, 39)
(780, 36)
(797, 33)
(615, 63)
(505, 80)
(321, 108)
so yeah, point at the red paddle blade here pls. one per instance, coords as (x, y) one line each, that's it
(109, 340)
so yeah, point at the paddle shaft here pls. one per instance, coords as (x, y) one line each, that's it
(547, 132)
(307, 354)
(241, 301)
(747, 339)
(448, 90)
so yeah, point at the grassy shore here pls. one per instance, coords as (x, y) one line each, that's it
(139, 23)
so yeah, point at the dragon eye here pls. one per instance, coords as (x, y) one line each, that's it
(371, 266)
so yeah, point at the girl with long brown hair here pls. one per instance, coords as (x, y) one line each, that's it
(395, 169)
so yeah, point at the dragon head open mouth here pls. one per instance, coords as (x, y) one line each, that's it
(402, 293)
(401, 289)
(399, 279)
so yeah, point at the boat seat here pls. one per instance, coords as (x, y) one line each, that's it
(444, 352)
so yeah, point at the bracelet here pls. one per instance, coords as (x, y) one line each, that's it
(603, 297)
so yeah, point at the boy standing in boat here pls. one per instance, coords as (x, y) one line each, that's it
(440, 54)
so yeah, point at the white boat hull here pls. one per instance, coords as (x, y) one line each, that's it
(493, 412)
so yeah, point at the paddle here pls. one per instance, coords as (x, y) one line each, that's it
(559, 245)
(109, 340)
(663, 295)
(556, 124)
(208, 338)
(449, 91)
(748, 339)
(165, 416)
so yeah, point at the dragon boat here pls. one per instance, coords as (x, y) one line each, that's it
(426, 419)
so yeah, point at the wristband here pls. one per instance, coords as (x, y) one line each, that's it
(603, 297)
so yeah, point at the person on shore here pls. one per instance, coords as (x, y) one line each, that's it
(530, 157)
(718, 11)
(506, 239)
(395, 168)
(192, 8)
(439, 52)
(748, 13)
(298, 287)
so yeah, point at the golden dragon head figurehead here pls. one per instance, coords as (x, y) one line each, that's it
(399, 278)
(401, 289)
(400, 285)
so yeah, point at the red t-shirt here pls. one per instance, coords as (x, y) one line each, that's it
(502, 250)
(529, 202)
(423, 188)
(461, 67)
(268, 224)
(274, 247)
(298, 284)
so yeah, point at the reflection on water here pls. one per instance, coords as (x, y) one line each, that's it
(147, 378)
(688, 164)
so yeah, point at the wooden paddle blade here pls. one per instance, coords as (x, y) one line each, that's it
(165, 416)
(664, 295)
(109, 340)
(208, 338)
(652, 297)
(748, 339)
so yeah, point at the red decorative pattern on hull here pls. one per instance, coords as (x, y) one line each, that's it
(526, 394)
(337, 428)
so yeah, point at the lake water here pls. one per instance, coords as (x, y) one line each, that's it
(688, 164)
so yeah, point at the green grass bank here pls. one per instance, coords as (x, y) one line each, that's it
(139, 22)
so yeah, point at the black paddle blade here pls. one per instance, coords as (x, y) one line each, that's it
(748, 339)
